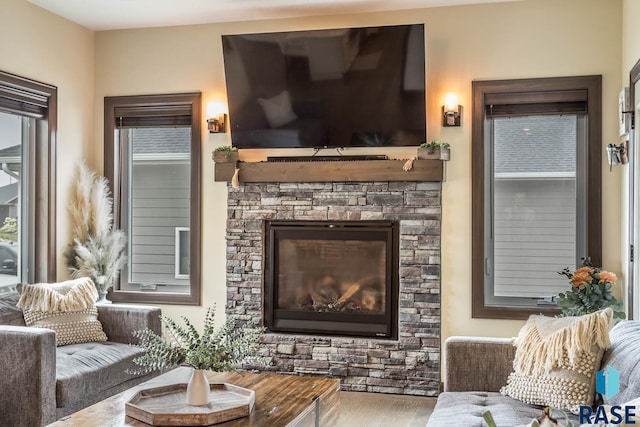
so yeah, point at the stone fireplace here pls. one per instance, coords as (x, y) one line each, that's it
(397, 352)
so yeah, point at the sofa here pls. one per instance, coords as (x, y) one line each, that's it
(476, 368)
(42, 383)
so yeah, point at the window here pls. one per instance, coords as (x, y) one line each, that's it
(152, 157)
(27, 181)
(14, 141)
(536, 190)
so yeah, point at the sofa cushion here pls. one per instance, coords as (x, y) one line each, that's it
(89, 368)
(466, 409)
(68, 308)
(557, 358)
(9, 313)
(624, 357)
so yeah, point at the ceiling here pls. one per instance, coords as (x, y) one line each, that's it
(118, 14)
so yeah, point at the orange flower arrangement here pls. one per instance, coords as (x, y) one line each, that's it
(606, 276)
(580, 276)
(590, 291)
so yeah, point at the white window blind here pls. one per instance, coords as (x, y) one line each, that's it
(534, 205)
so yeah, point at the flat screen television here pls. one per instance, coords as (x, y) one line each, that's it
(346, 87)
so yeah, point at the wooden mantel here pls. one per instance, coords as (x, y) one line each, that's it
(329, 171)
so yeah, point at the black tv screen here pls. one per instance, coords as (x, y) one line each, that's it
(348, 87)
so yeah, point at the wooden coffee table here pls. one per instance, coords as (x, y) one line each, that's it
(281, 400)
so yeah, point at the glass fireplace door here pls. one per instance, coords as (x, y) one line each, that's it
(331, 278)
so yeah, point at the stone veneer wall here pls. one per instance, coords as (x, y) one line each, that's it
(408, 365)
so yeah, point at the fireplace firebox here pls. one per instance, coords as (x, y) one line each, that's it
(332, 278)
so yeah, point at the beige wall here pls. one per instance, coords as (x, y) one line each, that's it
(538, 38)
(42, 46)
(630, 37)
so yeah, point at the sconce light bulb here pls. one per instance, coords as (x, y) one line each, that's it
(215, 109)
(451, 102)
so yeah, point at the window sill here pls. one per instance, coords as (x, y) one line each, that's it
(479, 311)
(153, 298)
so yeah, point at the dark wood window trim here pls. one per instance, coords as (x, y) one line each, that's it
(136, 106)
(38, 100)
(526, 91)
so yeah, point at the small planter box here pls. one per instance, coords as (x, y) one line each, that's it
(439, 153)
(225, 156)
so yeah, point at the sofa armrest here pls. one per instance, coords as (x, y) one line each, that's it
(477, 363)
(119, 321)
(28, 366)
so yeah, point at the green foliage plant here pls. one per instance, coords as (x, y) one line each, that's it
(221, 350)
(590, 291)
(431, 146)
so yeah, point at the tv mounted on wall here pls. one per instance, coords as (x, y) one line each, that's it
(347, 87)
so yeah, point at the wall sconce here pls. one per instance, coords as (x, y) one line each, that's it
(217, 118)
(451, 111)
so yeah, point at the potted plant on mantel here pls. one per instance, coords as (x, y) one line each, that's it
(225, 153)
(434, 150)
(220, 350)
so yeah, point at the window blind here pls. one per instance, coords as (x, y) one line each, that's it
(515, 104)
(21, 96)
(159, 115)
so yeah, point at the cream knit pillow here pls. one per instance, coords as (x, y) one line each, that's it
(68, 308)
(557, 358)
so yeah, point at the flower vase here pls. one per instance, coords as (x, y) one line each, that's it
(102, 290)
(102, 298)
(198, 389)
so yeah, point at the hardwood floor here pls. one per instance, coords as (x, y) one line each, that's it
(382, 410)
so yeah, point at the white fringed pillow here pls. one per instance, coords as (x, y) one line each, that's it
(557, 358)
(68, 308)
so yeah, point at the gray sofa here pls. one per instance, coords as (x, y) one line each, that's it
(42, 382)
(476, 369)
